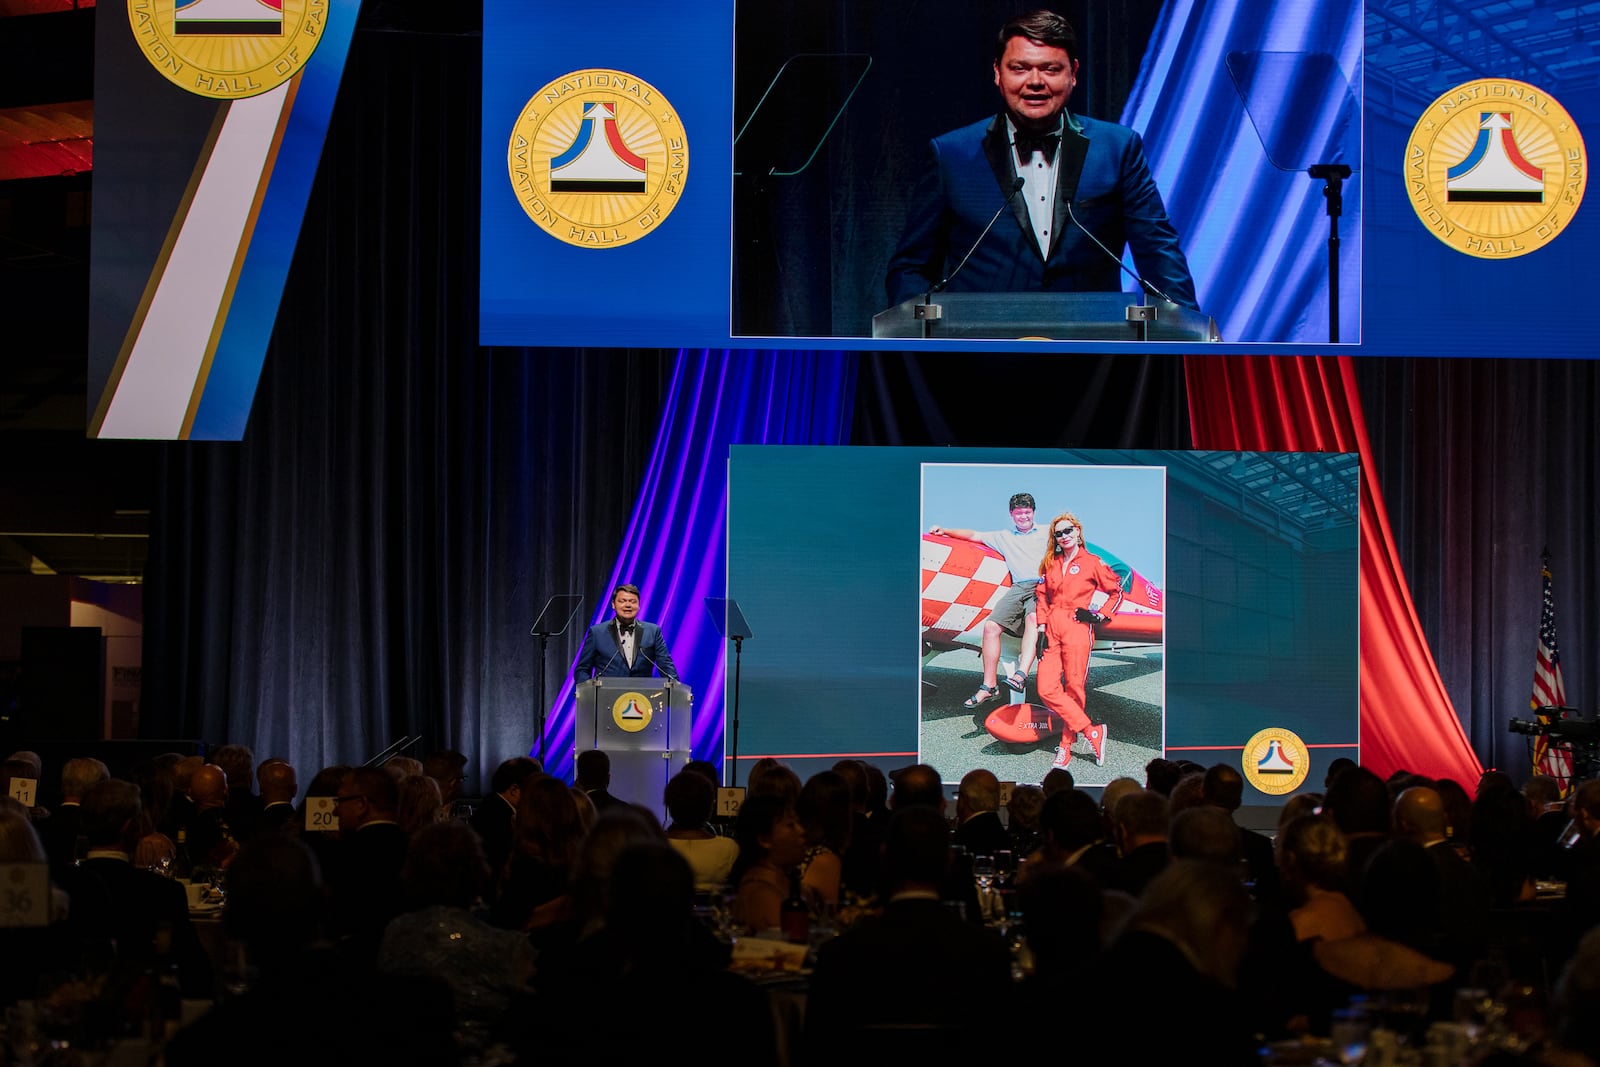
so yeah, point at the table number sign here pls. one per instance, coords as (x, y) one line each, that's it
(320, 814)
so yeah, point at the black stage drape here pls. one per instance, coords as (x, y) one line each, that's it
(1485, 463)
(367, 561)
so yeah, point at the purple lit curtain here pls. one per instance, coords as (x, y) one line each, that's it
(675, 547)
(1256, 236)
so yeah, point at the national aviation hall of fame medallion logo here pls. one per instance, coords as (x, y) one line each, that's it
(598, 158)
(227, 49)
(631, 712)
(1276, 761)
(1495, 168)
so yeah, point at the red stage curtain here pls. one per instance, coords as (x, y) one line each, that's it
(1310, 404)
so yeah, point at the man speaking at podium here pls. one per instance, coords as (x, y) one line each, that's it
(625, 646)
(1048, 180)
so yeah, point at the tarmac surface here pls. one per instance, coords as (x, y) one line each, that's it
(1125, 692)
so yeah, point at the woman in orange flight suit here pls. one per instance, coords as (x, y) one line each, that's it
(1069, 576)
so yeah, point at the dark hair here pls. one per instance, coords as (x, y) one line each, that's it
(1072, 820)
(625, 587)
(1043, 27)
(593, 768)
(824, 810)
(757, 817)
(1020, 500)
(513, 771)
(916, 846)
(445, 865)
(689, 799)
(548, 827)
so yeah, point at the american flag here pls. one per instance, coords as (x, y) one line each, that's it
(1549, 691)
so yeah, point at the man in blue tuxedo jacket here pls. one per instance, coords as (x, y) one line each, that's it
(625, 646)
(1039, 167)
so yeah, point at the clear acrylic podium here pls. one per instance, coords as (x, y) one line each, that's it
(643, 724)
(1052, 316)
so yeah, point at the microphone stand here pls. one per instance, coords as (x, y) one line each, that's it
(928, 311)
(1332, 176)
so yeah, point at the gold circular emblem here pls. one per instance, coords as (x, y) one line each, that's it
(631, 712)
(1276, 761)
(1495, 168)
(598, 158)
(227, 49)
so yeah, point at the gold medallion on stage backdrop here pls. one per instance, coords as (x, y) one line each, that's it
(1495, 168)
(598, 158)
(1275, 761)
(631, 712)
(227, 49)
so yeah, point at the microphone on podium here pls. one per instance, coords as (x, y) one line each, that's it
(1016, 186)
(1146, 286)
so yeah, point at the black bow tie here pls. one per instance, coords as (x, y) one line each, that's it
(1029, 143)
(624, 628)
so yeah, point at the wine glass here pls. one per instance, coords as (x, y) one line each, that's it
(983, 872)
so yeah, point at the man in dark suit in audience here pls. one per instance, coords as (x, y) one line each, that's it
(1460, 913)
(278, 790)
(1223, 787)
(61, 831)
(366, 889)
(495, 819)
(978, 826)
(594, 778)
(211, 837)
(114, 901)
(916, 976)
(1139, 824)
(243, 806)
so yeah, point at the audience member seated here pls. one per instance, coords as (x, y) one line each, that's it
(1458, 915)
(769, 777)
(448, 768)
(402, 767)
(1502, 842)
(308, 1004)
(112, 900)
(1057, 780)
(689, 799)
(212, 842)
(650, 950)
(61, 832)
(593, 774)
(915, 981)
(1358, 802)
(419, 803)
(1206, 834)
(771, 844)
(1061, 912)
(860, 874)
(437, 935)
(1223, 788)
(496, 817)
(548, 835)
(1181, 949)
(278, 790)
(1075, 834)
(372, 849)
(824, 812)
(243, 806)
(1139, 826)
(30, 952)
(1160, 775)
(1023, 811)
(978, 826)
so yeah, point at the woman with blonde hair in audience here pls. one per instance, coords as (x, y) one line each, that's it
(689, 798)
(771, 842)
(420, 803)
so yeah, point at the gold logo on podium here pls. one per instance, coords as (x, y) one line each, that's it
(598, 158)
(227, 49)
(632, 711)
(1276, 761)
(1495, 168)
